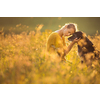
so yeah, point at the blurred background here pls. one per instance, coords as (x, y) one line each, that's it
(90, 25)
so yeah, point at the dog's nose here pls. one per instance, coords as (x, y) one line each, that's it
(69, 39)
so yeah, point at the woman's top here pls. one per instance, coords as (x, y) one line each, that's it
(55, 44)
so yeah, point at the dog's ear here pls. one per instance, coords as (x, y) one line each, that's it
(79, 34)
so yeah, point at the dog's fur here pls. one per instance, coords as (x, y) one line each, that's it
(86, 49)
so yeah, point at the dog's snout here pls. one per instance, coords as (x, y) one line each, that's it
(71, 38)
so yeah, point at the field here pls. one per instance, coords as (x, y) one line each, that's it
(24, 60)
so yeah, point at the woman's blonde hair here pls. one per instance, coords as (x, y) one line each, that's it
(70, 25)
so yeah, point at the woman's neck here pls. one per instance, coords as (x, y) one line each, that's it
(60, 32)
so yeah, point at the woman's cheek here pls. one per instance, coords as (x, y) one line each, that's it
(67, 34)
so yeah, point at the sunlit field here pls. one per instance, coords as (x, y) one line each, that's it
(24, 60)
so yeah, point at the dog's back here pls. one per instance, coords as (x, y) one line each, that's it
(85, 46)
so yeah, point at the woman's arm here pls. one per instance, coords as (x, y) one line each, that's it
(67, 49)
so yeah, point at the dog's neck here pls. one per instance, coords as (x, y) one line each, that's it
(85, 46)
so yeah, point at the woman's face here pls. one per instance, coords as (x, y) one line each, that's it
(68, 31)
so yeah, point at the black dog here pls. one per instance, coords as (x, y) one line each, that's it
(86, 49)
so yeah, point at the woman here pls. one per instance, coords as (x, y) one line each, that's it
(56, 41)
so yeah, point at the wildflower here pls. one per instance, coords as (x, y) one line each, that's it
(0, 48)
(93, 73)
(71, 72)
(18, 25)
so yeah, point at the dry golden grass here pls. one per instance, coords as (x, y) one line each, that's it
(23, 60)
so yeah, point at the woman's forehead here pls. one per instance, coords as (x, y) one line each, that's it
(71, 29)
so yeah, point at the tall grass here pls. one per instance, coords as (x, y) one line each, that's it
(24, 60)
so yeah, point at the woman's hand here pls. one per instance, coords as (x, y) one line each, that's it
(76, 40)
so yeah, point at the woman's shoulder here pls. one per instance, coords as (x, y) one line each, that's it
(54, 34)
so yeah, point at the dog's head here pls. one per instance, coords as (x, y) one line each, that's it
(85, 44)
(77, 35)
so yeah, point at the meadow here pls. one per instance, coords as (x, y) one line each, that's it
(24, 60)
